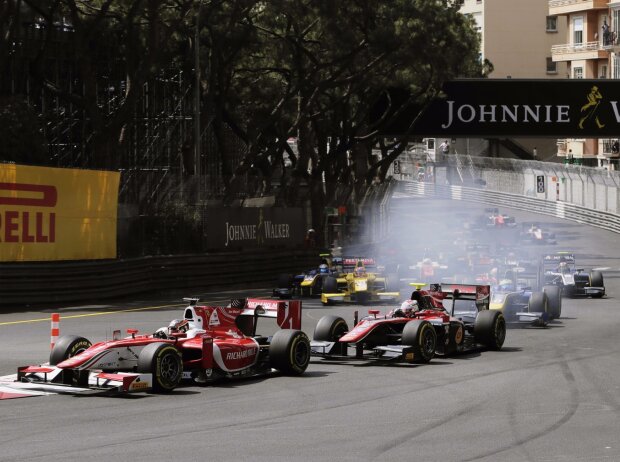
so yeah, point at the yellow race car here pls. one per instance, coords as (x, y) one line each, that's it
(358, 285)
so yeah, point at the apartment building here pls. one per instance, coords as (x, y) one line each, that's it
(517, 36)
(590, 51)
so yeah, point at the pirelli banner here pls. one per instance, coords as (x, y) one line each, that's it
(57, 213)
(254, 228)
(574, 108)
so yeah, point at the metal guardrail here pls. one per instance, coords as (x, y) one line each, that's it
(45, 283)
(577, 213)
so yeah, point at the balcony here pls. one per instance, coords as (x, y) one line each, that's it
(560, 7)
(598, 49)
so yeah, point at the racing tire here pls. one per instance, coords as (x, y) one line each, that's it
(539, 303)
(490, 329)
(420, 335)
(330, 328)
(391, 283)
(330, 286)
(164, 361)
(554, 299)
(68, 346)
(289, 351)
(596, 280)
(362, 298)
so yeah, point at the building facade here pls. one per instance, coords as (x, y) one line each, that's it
(517, 37)
(590, 51)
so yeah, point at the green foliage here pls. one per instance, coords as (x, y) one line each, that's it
(270, 70)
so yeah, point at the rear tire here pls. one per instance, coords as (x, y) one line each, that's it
(420, 335)
(554, 298)
(330, 328)
(539, 303)
(490, 329)
(68, 346)
(289, 351)
(164, 361)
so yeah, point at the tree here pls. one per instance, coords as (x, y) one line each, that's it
(320, 68)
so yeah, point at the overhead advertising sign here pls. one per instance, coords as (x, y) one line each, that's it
(57, 214)
(575, 108)
(255, 228)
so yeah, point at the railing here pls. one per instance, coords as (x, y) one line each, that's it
(63, 282)
(561, 3)
(579, 214)
(567, 48)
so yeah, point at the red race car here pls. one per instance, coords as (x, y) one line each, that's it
(445, 319)
(208, 343)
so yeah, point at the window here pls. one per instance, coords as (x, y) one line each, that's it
(552, 67)
(578, 30)
(578, 73)
(552, 23)
(616, 68)
(603, 71)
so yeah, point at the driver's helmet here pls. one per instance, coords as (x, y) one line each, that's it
(505, 284)
(323, 268)
(360, 271)
(408, 307)
(178, 326)
(563, 267)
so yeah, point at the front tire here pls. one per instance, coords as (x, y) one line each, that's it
(539, 303)
(68, 346)
(289, 351)
(420, 335)
(330, 328)
(596, 280)
(164, 361)
(331, 285)
(490, 329)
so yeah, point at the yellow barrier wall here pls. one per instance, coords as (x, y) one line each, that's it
(57, 213)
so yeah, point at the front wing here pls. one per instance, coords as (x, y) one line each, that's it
(580, 291)
(52, 378)
(345, 351)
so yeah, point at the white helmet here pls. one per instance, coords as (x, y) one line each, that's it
(409, 306)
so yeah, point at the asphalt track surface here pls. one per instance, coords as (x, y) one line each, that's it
(550, 395)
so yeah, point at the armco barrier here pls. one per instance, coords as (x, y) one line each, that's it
(63, 282)
(600, 219)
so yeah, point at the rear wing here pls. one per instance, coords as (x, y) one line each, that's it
(479, 293)
(350, 263)
(556, 258)
(286, 312)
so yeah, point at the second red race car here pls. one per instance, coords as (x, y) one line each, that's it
(446, 319)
